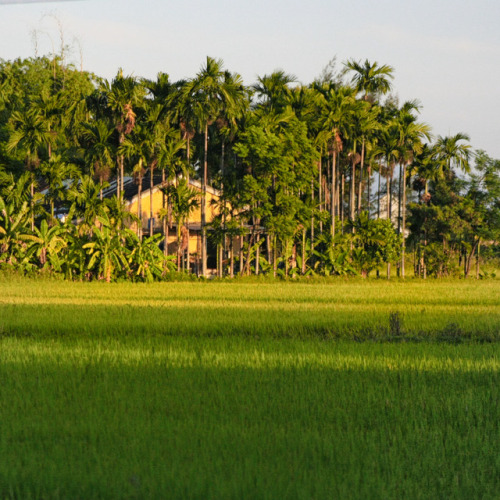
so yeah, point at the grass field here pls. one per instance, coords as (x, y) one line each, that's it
(249, 390)
(446, 310)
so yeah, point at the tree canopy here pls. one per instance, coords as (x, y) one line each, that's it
(332, 177)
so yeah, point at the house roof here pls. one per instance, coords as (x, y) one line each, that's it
(131, 188)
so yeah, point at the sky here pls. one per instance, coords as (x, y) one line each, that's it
(445, 53)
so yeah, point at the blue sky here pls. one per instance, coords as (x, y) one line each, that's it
(446, 53)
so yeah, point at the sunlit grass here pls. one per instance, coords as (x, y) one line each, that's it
(336, 309)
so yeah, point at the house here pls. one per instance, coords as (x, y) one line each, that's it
(152, 201)
(395, 213)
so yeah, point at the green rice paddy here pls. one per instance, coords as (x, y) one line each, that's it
(250, 390)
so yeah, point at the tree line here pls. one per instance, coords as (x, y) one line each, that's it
(331, 178)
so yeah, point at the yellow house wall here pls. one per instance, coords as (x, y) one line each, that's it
(194, 219)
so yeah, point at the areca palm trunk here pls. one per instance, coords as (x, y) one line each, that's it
(241, 255)
(360, 185)
(151, 184)
(120, 168)
(32, 200)
(378, 192)
(220, 257)
(477, 258)
(403, 224)
(333, 191)
(165, 219)
(275, 256)
(388, 204)
(231, 261)
(303, 270)
(179, 246)
(341, 201)
(352, 201)
(388, 192)
(368, 200)
(320, 199)
(204, 207)
(312, 214)
(139, 207)
(400, 197)
(257, 253)
(223, 248)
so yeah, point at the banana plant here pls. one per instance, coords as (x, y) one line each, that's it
(47, 243)
(108, 254)
(147, 259)
(14, 225)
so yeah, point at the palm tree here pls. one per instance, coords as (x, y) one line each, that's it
(211, 93)
(162, 146)
(427, 168)
(371, 79)
(410, 135)
(57, 172)
(339, 108)
(274, 91)
(135, 148)
(98, 149)
(183, 200)
(85, 195)
(167, 104)
(180, 109)
(452, 152)
(31, 133)
(368, 124)
(124, 96)
(169, 163)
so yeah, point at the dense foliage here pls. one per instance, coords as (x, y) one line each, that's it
(314, 179)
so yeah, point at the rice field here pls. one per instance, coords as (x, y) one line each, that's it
(358, 310)
(249, 390)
